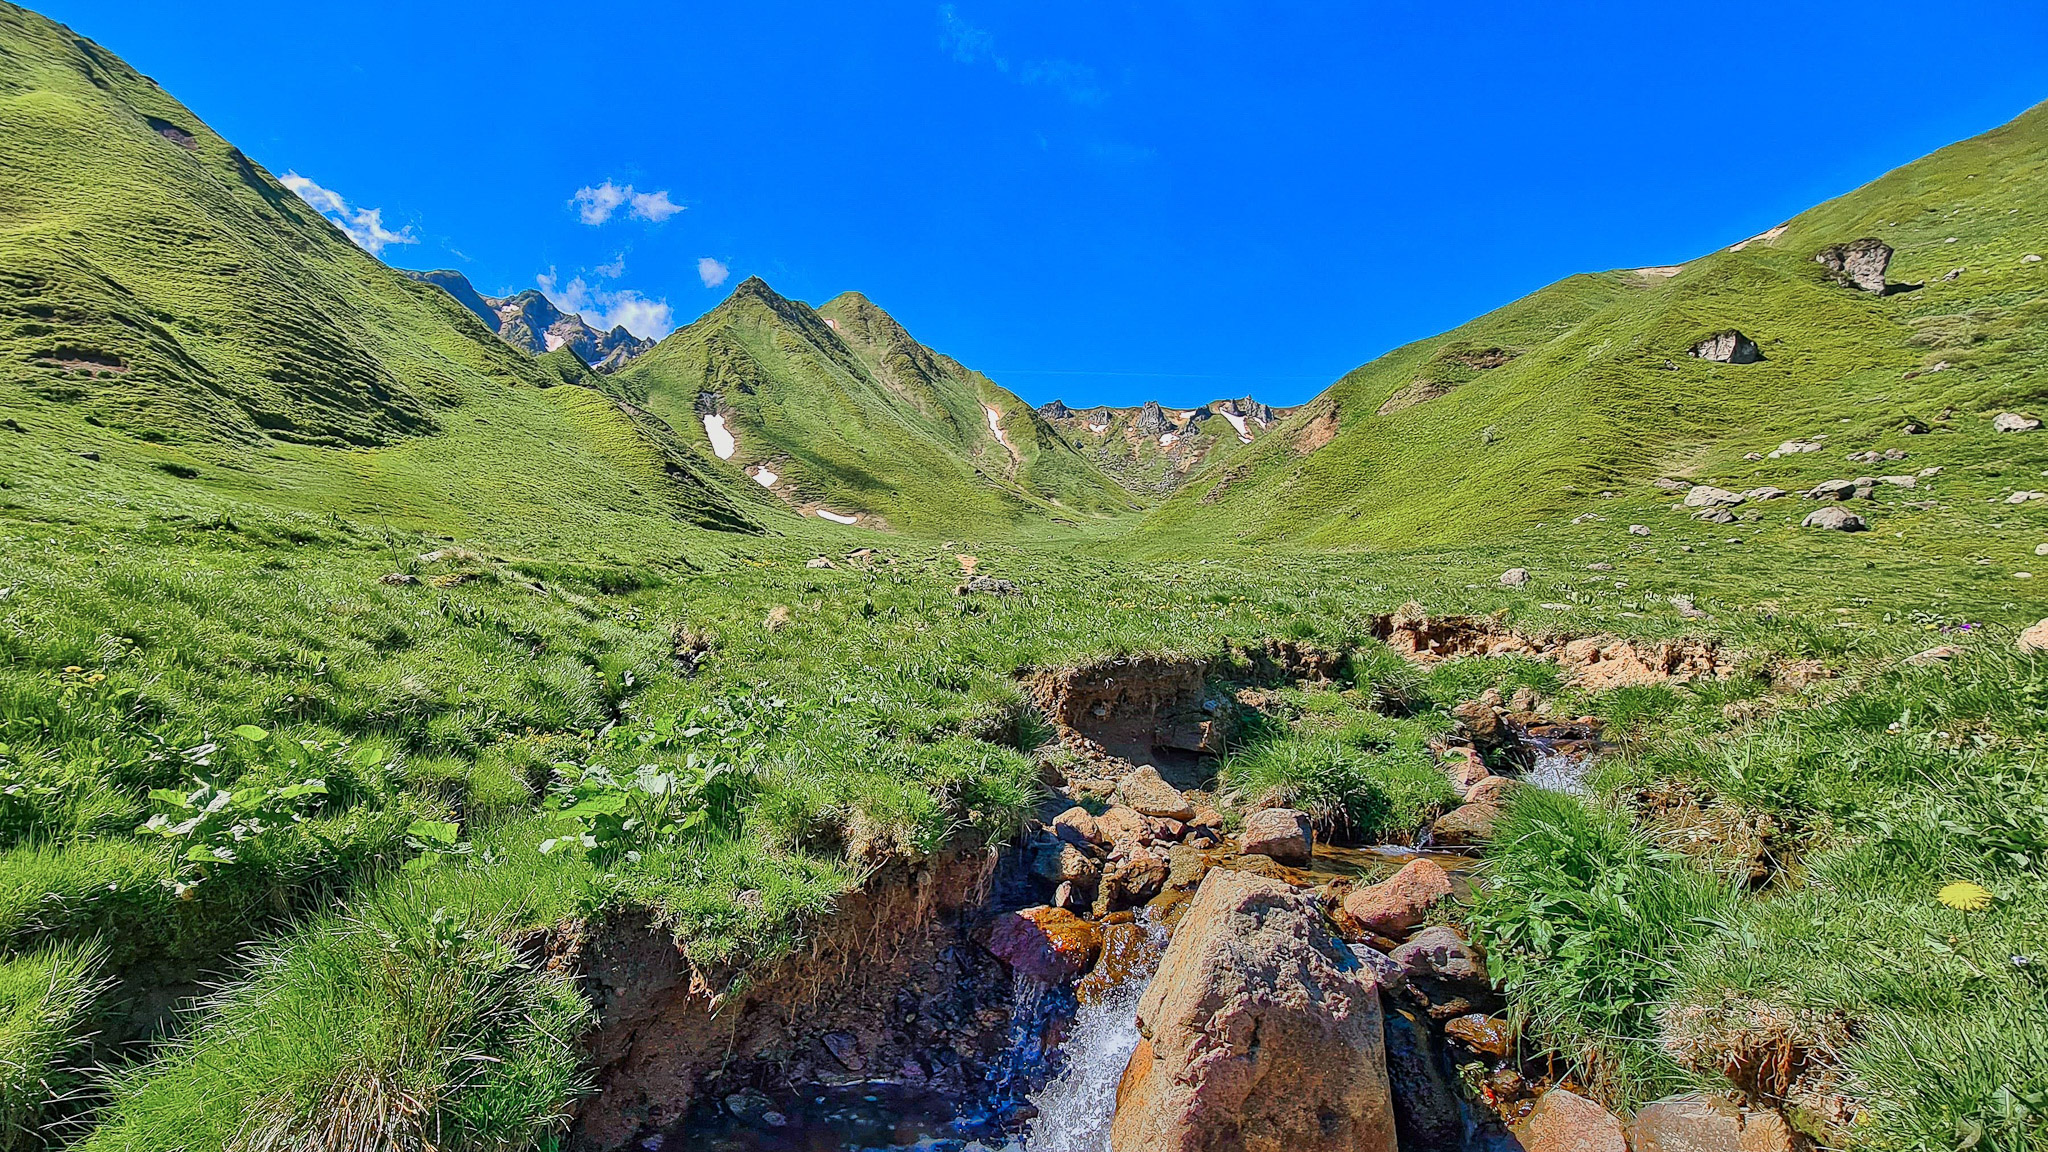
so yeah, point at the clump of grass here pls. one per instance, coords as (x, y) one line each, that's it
(1350, 794)
(1586, 918)
(46, 1003)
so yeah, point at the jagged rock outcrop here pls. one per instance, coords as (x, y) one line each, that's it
(1729, 347)
(1261, 1033)
(1152, 420)
(531, 321)
(1248, 408)
(1056, 411)
(1857, 264)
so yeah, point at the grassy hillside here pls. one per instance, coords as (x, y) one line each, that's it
(1530, 412)
(850, 416)
(172, 312)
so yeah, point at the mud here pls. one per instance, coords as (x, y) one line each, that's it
(1148, 710)
(1593, 662)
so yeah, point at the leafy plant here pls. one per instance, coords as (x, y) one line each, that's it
(623, 818)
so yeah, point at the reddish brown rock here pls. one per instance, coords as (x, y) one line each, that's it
(1471, 824)
(1132, 876)
(1568, 1122)
(1262, 1033)
(1401, 901)
(1051, 944)
(1482, 1033)
(1701, 1123)
(1149, 795)
(1281, 834)
(1207, 818)
(1492, 790)
(1465, 771)
(1120, 824)
(1128, 950)
(1077, 827)
(1058, 862)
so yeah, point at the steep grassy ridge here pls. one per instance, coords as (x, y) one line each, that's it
(1587, 386)
(869, 424)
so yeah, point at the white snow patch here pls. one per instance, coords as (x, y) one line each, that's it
(765, 478)
(721, 440)
(1167, 438)
(1237, 422)
(836, 518)
(834, 324)
(554, 342)
(993, 426)
(1098, 429)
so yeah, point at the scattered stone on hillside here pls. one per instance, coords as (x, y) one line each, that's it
(1515, 577)
(1564, 1121)
(89, 455)
(1281, 834)
(1670, 485)
(992, 585)
(1939, 654)
(1765, 493)
(2014, 422)
(1696, 1122)
(1752, 455)
(1954, 272)
(1401, 901)
(1794, 448)
(2023, 495)
(1929, 473)
(1857, 489)
(2041, 549)
(1834, 517)
(1051, 944)
(13, 425)
(1858, 264)
(1604, 566)
(1715, 516)
(1708, 496)
(2034, 638)
(2030, 258)
(817, 562)
(1250, 958)
(1729, 347)
(1633, 530)
(1147, 794)
(397, 579)
(1899, 481)
(1912, 427)
(1469, 824)
(778, 618)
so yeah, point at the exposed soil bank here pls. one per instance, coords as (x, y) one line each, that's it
(892, 988)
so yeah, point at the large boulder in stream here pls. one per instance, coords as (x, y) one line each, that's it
(1401, 901)
(1261, 1033)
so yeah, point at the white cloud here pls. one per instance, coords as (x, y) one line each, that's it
(655, 206)
(365, 226)
(969, 44)
(712, 272)
(597, 204)
(605, 309)
(613, 270)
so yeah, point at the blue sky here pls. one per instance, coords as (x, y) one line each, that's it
(1104, 201)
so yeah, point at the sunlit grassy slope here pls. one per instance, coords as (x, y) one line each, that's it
(1598, 392)
(852, 415)
(167, 305)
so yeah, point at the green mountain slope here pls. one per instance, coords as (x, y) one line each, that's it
(1588, 386)
(171, 309)
(838, 411)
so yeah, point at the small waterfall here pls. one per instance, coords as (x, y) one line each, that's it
(1558, 770)
(1075, 1109)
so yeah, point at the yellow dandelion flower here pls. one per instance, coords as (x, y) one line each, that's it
(73, 669)
(1965, 896)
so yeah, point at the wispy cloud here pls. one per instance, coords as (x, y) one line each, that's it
(365, 226)
(613, 270)
(712, 272)
(598, 203)
(604, 309)
(971, 44)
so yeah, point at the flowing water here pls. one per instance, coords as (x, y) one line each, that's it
(1559, 769)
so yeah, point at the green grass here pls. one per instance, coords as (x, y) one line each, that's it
(46, 1001)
